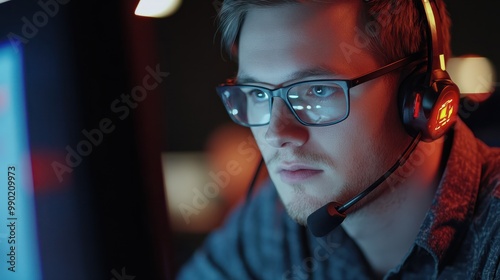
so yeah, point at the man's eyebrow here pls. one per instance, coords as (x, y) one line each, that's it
(243, 78)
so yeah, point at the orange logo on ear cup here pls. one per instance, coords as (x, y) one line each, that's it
(445, 113)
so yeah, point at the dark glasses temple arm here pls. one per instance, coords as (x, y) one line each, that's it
(420, 56)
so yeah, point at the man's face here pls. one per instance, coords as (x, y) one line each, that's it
(312, 166)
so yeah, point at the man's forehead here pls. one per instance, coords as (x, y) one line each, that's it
(312, 24)
(319, 72)
(296, 41)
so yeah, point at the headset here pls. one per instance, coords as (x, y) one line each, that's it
(429, 101)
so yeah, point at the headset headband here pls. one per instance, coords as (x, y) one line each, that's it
(436, 59)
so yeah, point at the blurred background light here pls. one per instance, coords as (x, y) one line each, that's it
(473, 74)
(157, 8)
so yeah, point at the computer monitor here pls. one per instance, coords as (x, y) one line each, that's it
(19, 251)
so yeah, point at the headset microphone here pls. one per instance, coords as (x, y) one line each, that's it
(330, 216)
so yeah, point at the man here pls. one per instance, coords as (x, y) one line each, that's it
(326, 140)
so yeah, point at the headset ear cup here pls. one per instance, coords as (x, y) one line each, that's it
(432, 111)
(429, 100)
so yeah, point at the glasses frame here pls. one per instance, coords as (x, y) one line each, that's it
(346, 84)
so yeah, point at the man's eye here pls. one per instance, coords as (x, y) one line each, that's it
(322, 90)
(258, 95)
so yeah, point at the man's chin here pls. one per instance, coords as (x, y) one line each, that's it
(300, 205)
(299, 212)
(301, 220)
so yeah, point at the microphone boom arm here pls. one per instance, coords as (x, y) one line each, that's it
(331, 215)
(401, 160)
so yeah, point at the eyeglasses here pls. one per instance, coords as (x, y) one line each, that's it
(313, 103)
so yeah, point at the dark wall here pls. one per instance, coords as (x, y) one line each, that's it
(191, 51)
(475, 26)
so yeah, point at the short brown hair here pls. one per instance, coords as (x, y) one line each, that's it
(397, 27)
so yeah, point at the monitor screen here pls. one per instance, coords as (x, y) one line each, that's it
(18, 235)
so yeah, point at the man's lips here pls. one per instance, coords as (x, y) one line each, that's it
(296, 173)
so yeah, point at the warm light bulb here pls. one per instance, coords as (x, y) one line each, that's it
(157, 8)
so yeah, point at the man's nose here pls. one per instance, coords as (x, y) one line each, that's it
(284, 129)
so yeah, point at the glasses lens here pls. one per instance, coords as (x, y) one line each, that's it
(313, 103)
(247, 105)
(322, 102)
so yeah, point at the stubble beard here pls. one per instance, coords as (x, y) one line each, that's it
(302, 205)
